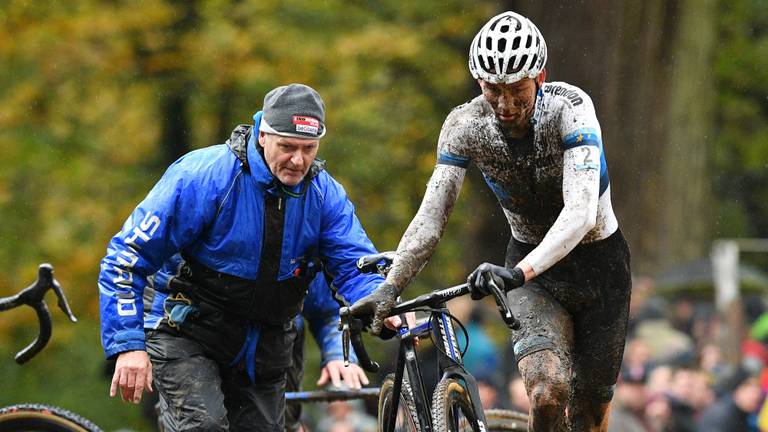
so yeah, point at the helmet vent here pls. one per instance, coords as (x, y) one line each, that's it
(493, 26)
(520, 65)
(516, 43)
(489, 43)
(504, 28)
(502, 44)
(528, 41)
(482, 64)
(491, 65)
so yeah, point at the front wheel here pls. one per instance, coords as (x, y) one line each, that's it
(407, 420)
(451, 408)
(43, 418)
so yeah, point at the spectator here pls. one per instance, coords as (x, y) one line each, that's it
(346, 413)
(518, 397)
(636, 360)
(688, 394)
(740, 398)
(489, 395)
(628, 410)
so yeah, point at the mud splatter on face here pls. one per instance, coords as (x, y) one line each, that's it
(513, 105)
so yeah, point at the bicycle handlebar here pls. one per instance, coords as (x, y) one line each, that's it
(352, 326)
(34, 296)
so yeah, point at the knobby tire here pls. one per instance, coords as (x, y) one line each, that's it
(451, 397)
(43, 418)
(407, 418)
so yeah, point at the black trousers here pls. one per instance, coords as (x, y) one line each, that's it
(294, 376)
(199, 394)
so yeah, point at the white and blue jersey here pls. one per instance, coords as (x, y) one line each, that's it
(553, 184)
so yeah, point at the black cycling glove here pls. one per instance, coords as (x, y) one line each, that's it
(505, 279)
(378, 304)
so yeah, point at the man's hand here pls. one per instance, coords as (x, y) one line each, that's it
(377, 303)
(353, 375)
(504, 279)
(133, 373)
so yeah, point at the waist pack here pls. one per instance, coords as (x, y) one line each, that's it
(237, 321)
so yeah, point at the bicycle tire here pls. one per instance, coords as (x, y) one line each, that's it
(500, 420)
(450, 395)
(406, 407)
(43, 418)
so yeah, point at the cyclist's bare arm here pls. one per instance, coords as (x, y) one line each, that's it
(581, 192)
(426, 228)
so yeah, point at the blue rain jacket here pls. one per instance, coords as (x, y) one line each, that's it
(209, 206)
(321, 312)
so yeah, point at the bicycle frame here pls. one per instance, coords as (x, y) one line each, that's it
(450, 365)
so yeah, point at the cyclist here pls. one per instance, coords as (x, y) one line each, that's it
(538, 146)
(251, 221)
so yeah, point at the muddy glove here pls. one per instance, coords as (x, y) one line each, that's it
(504, 278)
(378, 304)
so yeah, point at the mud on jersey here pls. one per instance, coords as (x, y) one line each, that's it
(526, 175)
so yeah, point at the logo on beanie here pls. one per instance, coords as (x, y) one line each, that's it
(308, 125)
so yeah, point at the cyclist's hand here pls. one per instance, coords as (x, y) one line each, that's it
(353, 375)
(504, 278)
(133, 373)
(394, 323)
(378, 304)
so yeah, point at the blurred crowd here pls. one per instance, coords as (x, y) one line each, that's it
(676, 375)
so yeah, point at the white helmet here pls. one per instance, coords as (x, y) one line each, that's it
(507, 49)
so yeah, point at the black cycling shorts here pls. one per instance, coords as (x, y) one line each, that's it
(578, 309)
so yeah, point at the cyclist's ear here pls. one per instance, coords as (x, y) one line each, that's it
(541, 77)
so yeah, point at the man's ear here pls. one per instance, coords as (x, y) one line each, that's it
(541, 77)
(262, 138)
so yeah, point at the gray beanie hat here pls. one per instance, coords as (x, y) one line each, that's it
(294, 110)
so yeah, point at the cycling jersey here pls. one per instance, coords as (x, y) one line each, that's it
(552, 184)
(209, 206)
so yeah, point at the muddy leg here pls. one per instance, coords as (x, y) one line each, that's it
(588, 416)
(547, 382)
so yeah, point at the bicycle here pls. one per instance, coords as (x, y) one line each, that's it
(39, 417)
(455, 404)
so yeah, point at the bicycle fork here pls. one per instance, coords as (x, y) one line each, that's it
(452, 365)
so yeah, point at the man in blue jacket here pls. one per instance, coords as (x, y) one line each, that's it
(229, 240)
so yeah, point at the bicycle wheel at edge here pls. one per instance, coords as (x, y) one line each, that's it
(500, 420)
(407, 420)
(43, 418)
(451, 408)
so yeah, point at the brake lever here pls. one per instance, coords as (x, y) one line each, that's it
(351, 331)
(62, 302)
(501, 303)
(344, 328)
